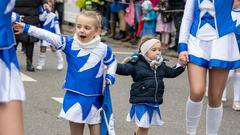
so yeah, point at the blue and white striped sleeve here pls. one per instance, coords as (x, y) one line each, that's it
(111, 63)
(186, 26)
(58, 41)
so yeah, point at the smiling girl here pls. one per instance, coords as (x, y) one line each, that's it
(86, 56)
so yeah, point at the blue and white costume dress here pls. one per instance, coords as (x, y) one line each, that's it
(50, 23)
(236, 19)
(11, 86)
(84, 78)
(145, 115)
(207, 33)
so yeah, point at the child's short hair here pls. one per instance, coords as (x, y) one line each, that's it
(143, 40)
(94, 15)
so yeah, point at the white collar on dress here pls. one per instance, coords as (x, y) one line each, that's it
(89, 45)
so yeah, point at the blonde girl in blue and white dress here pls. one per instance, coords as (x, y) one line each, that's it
(207, 41)
(12, 92)
(86, 57)
(50, 23)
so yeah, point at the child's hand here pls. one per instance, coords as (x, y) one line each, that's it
(18, 28)
(183, 58)
(45, 6)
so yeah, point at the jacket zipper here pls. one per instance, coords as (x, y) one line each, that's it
(155, 77)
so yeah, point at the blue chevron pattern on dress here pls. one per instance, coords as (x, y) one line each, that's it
(140, 109)
(207, 18)
(85, 102)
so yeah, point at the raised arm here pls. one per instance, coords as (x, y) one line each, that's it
(56, 40)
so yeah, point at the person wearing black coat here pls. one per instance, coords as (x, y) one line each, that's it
(148, 85)
(147, 71)
(30, 10)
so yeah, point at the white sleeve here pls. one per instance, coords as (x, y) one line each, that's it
(43, 16)
(186, 21)
(56, 40)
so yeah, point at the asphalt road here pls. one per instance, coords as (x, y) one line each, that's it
(41, 110)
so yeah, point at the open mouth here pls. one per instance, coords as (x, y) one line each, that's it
(82, 36)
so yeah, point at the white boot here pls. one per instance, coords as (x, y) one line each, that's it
(60, 62)
(41, 61)
(236, 87)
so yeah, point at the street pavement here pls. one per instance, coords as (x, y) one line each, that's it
(44, 93)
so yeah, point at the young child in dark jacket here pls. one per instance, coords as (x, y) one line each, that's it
(146, 95)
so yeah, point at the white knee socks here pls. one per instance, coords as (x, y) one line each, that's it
(42, 59)
(193, 114)
(213, 119)
(59, 56)
(236, 87)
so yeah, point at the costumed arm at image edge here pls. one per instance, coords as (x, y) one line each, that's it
(186, 26)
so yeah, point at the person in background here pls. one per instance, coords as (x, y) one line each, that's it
(178, 6)
(59, 8)
(30, 10)
(50, 23)
(149, 18)
(164, 23)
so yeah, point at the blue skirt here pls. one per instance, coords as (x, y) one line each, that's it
(81, 109)
(222, 52)
(145, 115)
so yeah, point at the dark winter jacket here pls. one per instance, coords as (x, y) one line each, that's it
(30, 10)
(148, 85)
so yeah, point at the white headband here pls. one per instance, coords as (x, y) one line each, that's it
(147, 45)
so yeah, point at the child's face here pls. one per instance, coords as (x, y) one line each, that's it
(86, 28)
(155, 50)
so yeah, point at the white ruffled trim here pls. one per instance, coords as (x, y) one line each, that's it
(11, 87)
(144, 122)
(74, 114)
